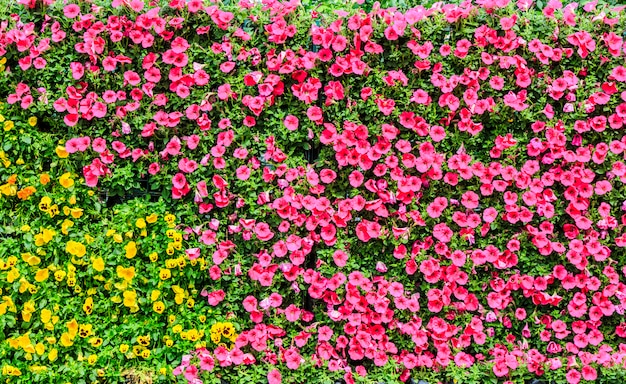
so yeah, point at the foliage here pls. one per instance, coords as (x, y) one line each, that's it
(285, 192)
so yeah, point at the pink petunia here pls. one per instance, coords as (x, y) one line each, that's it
(71, 11)
(291, 122)
(274, 377)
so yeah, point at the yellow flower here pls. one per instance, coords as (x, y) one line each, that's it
(154, 295)
(66, 225)
(44, 203)
(75, 248)
(140, 223)
(76, 212)
(131, 249)
(72, 200)
(40, 349)
(8, 125)
(158, 307)
(88, 305)
(52, 355)
(32, 121)
(66, 340)
(46, 315)
(98, 264)
(125, 273)
(143, 340)
(145, 353)
(59, 275)
(124, 348)
(228, 330)
(61, 152)
(170, 220)
(42, 275)
(154, 257)
(25, 228)
(130, 300)
(92, 359)
(85, 330)
(152, 218)
(165, 274)
(53, 211)
(12, 275)
(30, 258)
(193, 335)
(66, 180)
(72, 328)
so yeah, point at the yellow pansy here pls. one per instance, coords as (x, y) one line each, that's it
(42, 275)
(12, 275)
(165, 274)
(158, 307)
(72, 328)
(75, 248)
(44, 203)
(95, 341)
(66, 180)
(76, 212)
(46, 315)
(66, 341)
(154, 295)
(31, 259)
(125, 273)
(40, 349)
(61, 152)
(32, 121)
(88, 305)
(131, 249)
(98, 264)
(52, 355)
(85, 330)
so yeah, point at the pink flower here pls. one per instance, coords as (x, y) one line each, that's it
(314, 113)
(263, 232)
(243, 173)
(291, 122)
(274, 377)
(589, 373)
(216, 297)
(340, 258)
(179, 45)
(71, 11)
(179, 181)
(573, 376)
(442, 232)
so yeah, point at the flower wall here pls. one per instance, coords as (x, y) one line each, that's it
(268, 192)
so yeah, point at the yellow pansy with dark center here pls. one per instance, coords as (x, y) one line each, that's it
(85, 330)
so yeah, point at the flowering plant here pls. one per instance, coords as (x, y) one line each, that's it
(266, 192)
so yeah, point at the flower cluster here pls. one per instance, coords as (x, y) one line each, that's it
(376, 193)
